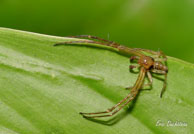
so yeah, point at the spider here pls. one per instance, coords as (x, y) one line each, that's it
(146, 64)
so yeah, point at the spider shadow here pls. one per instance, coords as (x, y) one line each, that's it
(117, 117)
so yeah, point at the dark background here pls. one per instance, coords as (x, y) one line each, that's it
(167, 25)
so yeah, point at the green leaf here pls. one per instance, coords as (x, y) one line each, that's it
(43, 89)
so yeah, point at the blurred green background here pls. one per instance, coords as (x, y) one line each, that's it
(167, 25)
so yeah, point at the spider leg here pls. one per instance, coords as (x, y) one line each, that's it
(149, 78)
(157, 54)
(120, 48)
(131, 67)
(128, 88)
(77, 42)
(160, 59)
(94, 37)
(108, 110)
(111, 114)
(101, 41)
(130, 97)
(160, 56)
(132, 58)
(148, 51)
(164, 86)
(112, 44)
(147, 84)
(158, 71)
(165, 79)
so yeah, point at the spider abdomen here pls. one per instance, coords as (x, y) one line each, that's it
(159, 66)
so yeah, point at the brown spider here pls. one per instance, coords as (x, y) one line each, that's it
(147, 64)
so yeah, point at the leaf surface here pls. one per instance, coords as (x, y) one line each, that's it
(43, 89)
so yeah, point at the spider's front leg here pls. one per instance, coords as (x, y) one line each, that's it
(78, 42)
(93, 37)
